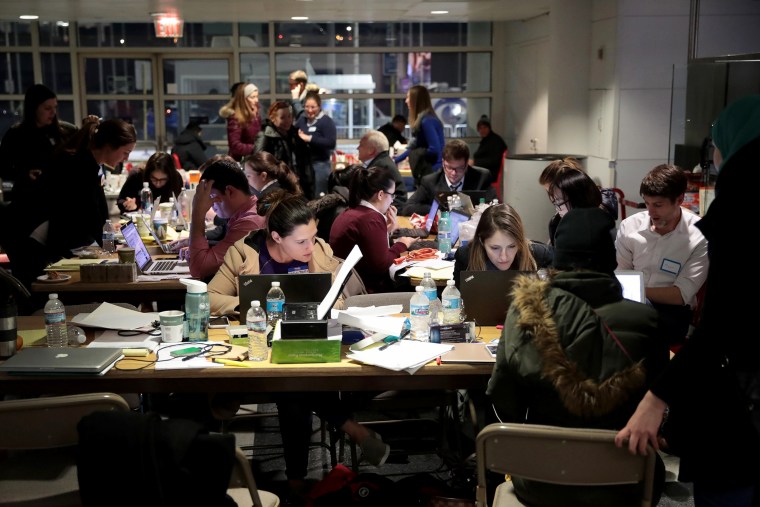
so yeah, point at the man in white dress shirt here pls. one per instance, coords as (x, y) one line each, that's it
(664, 243)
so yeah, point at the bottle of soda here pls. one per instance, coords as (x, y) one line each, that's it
(275, 307)
(419, 313)
(55, 322)
(146, 198)
(431, 290)
(256, 322)
(444, 233)
(109, 237)
(452, 304)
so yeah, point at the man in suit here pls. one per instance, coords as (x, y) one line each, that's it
(373, 151)
(456, 175)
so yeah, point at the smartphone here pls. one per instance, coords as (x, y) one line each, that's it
(492, 347)
(187, 351)
(218, 322)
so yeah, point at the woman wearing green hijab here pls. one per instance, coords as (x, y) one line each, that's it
(713, 426)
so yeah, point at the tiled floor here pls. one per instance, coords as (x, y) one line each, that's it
(412, 453)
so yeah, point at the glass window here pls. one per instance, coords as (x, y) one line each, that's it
(56, 72)
(15, 34)
(196, 77)
(115, 35)
(11, 112)
(254, 35)
(381, 34)
(118, 76)
(54, 33)
(66, 112)
(16, 72)
(388, 72)
(137, 112)
(254, 68)
(204, 112)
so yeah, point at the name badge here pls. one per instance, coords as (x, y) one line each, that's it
(313, 128)
(670, 266)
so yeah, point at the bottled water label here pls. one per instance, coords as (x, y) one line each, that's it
(431, 294)
(452, 303)
(275, 306)
(419, 311)
(55, 318)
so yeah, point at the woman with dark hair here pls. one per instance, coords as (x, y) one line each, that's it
(500, 244)
(367, 223)
(266, 174)
(162, 178)
(280, 138)
(317, 130)
(329, 206)
(243, 122)
(425, 150)
(78, 176)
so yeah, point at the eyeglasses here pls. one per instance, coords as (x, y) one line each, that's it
(558, 204)
(392, 194)
(460, 169)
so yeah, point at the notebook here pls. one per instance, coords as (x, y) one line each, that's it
(486, 295)
(61, 360)
(633, 285)
(475, 352)
(143, 259)
(303, 292)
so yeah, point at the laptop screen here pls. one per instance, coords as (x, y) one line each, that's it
(298, 288)
(431, 215)
(133, 239)
(633, 285)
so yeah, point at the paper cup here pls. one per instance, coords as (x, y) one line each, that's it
(126, 255)
(172, 325)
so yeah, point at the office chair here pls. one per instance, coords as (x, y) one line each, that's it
(556, 455)
(40, 435)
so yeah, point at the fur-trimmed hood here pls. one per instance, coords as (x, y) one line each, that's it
(536, 302)
(226, 110)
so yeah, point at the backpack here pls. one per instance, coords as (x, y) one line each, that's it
(127, 458)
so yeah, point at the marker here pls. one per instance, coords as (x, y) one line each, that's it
(438, 360)
(230, 362)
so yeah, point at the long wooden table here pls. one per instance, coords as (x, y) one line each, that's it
(262, 377)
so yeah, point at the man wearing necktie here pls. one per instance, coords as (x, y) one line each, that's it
(456, 175)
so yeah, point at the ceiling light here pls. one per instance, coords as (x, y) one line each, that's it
(62, 24)
(28, 16)
(439, 12)
(299, 18)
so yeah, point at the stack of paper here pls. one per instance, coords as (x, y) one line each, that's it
(406, 355)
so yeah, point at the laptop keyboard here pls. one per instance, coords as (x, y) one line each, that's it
(410, 232)
(425, 243)
(163, 266)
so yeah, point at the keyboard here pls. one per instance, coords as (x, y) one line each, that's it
(410, 232)
(163, 266)
(425, 243)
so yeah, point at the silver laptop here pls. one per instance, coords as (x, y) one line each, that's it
(633, 285)
(61, 360)
(164, 247)
(144, 260)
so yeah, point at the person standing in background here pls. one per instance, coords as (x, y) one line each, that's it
(425, 150)
(318, 131)
(373, 151)
(490, 152)
(297, 80)
(243, 122)
(189, 147)
(394, 130)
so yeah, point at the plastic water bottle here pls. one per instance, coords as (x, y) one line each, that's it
(419, 313)
(173, 215)
(55, 322)
(197, 310)
(275, 305)
(256, 322)
(109, 243)
(435, 320)
(431, 290)
(146, 198)
(444, 233)
(452, 304)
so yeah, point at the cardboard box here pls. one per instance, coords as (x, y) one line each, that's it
(101, 273)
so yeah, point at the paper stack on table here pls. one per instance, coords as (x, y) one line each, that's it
(406, 355)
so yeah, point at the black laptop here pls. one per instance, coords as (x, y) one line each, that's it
(303, 292)
(487, 295)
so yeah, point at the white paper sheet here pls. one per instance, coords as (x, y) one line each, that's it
(406, 355)
(343, 274)
(108, 316)
(111, 338)
(165, 361)
(388, 325)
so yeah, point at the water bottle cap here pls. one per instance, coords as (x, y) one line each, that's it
(53, 295)
(255, 303)
(450, 282)
(145, 184)
(194, 286)
(419, 288)
(275, 284)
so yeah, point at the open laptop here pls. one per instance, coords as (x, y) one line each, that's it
(487, 295)
(164, 247)
(303, 292)
(143, 259)
(414, 232)
(633, 285)
(82, 360)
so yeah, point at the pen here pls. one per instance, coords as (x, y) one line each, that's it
(383, 347)
(230, 362)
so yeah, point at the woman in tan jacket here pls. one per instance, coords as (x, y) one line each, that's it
(288, 244)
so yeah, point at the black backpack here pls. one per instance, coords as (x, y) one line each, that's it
(127, 458)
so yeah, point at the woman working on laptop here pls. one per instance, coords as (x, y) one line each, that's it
(289, 244)
(162, 178)
(500, 244)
